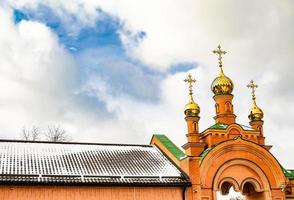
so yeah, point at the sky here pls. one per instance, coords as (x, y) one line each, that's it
(110, 71)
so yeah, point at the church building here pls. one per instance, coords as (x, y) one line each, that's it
(223, 156)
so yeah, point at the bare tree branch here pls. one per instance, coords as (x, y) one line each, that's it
(53, 133)
(25, 134)
(35, 133)
(56, 134)
(32, 134)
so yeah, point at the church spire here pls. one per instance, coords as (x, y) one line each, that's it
(193, 147)
(191, 109)
(222, 87)
(222, 84)
(256, 114)
(220, 52)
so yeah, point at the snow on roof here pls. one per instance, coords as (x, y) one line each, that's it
(45, 162)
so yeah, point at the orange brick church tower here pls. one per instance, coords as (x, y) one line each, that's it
(229, 154)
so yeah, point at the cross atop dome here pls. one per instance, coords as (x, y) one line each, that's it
(219, 52)
(252, 86)
(256, 114)
(190, 81)
(221, 84)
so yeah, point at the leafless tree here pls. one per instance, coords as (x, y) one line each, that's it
(31, 134)
(25, 134)
(53, 133)
(56, 134)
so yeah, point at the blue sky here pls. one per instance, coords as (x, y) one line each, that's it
(95, 47)
(103, 69)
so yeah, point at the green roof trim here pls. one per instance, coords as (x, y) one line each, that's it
(289, 173)
(219, 125)
(205, 152)
(170, 146)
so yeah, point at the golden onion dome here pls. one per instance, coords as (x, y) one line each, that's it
(222, 85)
(192, 109)
(256, 113)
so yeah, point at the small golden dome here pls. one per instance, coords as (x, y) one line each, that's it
(192, 109)
(256, 113)
(222, 85)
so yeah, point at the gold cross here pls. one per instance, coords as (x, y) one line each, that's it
(252, 86)
(220, 53)
(190, 81)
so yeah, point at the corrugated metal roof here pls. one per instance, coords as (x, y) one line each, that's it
(67, 163)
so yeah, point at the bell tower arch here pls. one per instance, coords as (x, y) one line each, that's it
(245, 177)
(247, 167)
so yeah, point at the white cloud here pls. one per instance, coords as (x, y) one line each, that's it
(258, 36)
(165, 117)
(36, 74)
(74, 14)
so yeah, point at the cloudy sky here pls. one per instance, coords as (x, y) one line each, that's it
(112, 71)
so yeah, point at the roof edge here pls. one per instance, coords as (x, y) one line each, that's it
(75, 143)
(28, 183)
(168, 145)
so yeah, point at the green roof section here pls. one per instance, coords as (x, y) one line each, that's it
(223, 126)
(205, 152)
(289, 173)
(170, 146)
(219, 125)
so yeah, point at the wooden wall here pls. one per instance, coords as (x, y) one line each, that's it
(89, 193)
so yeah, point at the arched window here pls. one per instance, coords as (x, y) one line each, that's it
(228, 107)
(217, 108)
(195, 126)
(229, 189)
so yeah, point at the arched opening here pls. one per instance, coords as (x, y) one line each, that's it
(228, 107)
(233, 185)
(248, 189)
(231, 195)
(225, 185)
(217, 108)
(252, 189)
(229, 190)
(225, 188)
(195, 126)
